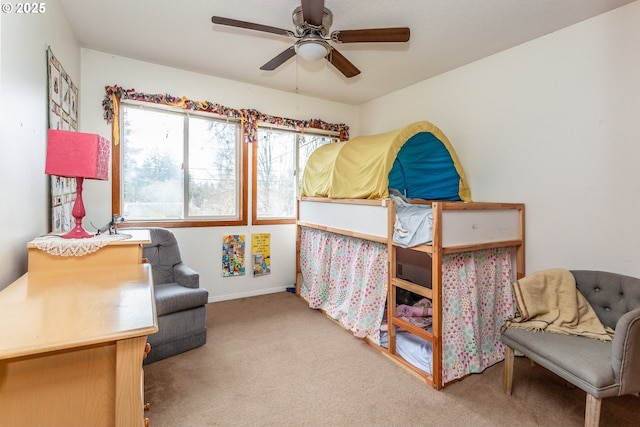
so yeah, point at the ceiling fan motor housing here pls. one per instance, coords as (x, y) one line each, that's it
(303, 28)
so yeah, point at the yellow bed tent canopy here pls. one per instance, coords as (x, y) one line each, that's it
(417, 160)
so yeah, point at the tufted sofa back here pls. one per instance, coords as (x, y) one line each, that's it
(610, 294)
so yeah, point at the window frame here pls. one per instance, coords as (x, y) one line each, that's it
(254, 171)
(116, 202)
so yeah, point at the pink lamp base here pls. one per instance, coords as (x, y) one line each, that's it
(78, 212)
(78, 232)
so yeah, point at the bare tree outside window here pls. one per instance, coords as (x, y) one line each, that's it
(280, 160)
(177, 167)
(276, 174)
(152, 167)
(213, 168)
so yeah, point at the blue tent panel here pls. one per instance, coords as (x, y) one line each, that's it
(424, 169)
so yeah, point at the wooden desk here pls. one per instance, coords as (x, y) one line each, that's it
(116, 253)
(71, 346)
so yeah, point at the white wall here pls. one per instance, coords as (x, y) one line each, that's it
(553, 123)
(23, 126)
(201, 248)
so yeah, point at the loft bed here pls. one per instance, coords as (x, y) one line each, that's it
(363, 259)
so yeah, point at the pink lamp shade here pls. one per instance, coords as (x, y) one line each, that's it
(77, 155)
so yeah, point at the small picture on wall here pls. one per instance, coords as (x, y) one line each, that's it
(233, 247)
(66, 95)
(261, 251)
(62, 214)
(55, 119)
(73, 104)
(55, 87)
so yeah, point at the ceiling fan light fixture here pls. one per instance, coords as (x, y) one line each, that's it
(312, 49)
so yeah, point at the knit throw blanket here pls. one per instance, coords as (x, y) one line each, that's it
(550, 301)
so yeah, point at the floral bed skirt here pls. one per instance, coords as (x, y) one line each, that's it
(348, 278)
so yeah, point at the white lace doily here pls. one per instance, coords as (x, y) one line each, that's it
(56, 245)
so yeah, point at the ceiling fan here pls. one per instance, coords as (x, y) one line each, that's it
(312, 23)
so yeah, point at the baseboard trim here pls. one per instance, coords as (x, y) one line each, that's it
(218, 298)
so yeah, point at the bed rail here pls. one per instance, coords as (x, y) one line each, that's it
(458, 226)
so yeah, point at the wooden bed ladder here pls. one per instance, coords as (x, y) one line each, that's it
(435, 378)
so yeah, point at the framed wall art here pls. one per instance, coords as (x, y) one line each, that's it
(233, 255)
(63, 115)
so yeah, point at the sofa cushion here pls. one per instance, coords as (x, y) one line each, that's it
(171, 297)
(584, 362)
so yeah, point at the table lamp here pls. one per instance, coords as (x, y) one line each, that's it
(77, 155)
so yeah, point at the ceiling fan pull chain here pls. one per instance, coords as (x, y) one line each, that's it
(297, 69)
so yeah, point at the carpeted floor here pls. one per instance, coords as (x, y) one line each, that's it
(272, 361)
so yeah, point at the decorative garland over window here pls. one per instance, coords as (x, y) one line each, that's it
(249, 118)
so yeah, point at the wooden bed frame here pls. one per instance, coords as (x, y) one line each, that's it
(457, 227)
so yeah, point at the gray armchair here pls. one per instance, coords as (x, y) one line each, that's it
(180, 302)
(602, 369)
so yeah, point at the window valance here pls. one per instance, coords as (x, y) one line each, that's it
(248, 117)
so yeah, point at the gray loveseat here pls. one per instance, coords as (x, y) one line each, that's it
(180, 302)
(602, 369)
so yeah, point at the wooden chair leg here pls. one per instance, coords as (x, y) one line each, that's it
(508, 370)
(592, 411)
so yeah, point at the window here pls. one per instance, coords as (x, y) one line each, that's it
(279, 158)
(179, 169)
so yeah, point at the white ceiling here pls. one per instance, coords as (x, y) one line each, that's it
(445, 34)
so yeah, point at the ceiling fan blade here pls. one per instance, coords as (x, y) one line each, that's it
(400, 34)
(342, 64)
(251, 26)
(280, 59)
(313, 11)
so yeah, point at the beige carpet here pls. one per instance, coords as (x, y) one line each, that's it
(272, 361)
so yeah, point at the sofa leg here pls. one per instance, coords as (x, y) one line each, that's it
(508, 369)
(592, 411)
